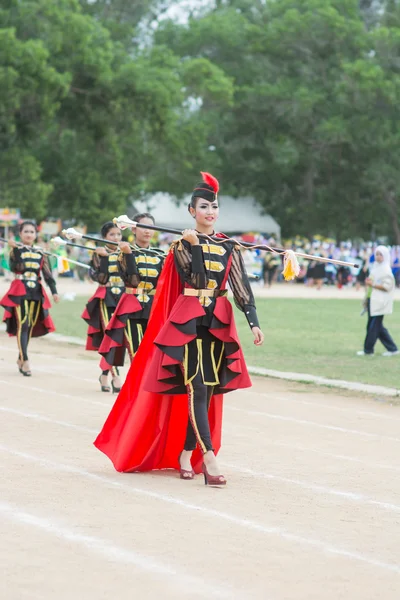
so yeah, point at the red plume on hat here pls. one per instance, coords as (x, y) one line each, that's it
(206, 189)
(211, 181)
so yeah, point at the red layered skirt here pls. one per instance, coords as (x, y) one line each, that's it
(96, 316)
(14, 298)
(117, 339)
(225, 370)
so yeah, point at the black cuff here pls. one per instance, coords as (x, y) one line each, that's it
(131, 266)
(52, 287)
(251, 315)
(103, 267)
(197, 259)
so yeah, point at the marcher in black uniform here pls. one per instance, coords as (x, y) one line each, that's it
(126, 329)
(111, 267)
(26, 303)
(189, 357)
(210, 360)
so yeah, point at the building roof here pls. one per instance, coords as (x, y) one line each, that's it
(236, 215)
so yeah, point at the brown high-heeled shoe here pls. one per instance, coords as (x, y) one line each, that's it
(214, 480)
(184, 473)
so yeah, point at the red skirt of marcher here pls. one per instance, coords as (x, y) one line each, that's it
(146, 430)
(14, 298)
(93, 317)
(165, 375)
(114, 342)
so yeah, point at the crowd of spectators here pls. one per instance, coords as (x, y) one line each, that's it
(266, 265)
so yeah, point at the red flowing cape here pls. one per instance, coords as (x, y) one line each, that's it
(146, 430)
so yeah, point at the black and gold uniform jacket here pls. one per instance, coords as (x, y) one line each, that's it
(114, 271)
(204, 267)
(29, 263)
(149, 263)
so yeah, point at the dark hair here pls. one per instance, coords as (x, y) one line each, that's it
(140, 216)
(24, 223)
(193, 202)
(195, 199)
(106, 228)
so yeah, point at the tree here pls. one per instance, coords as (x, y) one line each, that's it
(119, 124)
(31, 91)
(303, 130)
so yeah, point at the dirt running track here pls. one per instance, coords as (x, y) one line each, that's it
(311, 510)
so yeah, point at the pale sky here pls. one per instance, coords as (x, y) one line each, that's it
(181, 8)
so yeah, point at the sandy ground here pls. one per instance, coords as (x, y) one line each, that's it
(311, 509)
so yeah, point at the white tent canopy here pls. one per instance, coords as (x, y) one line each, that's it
(236, 215)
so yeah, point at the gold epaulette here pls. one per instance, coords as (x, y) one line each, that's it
(178, 244)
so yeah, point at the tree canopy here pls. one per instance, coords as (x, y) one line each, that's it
(294, 102)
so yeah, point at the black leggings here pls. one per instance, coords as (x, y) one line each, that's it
(106, 312)
(198, 428)
(269, 275)
(27, 316)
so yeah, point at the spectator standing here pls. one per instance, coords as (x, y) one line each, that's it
(270, 265)
(379, 302)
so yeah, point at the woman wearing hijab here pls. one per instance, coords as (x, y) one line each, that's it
(379, 302)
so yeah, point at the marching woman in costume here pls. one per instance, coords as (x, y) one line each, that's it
(111, 267)
(128, 324)
(26, 303)
(169, 412)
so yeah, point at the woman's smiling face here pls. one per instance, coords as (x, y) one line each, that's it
(206, 213)
(28, 234)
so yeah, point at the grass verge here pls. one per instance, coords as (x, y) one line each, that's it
(319, 337)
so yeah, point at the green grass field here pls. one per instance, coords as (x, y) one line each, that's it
(319, 337)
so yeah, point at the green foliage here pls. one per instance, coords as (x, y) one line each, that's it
(86, 126)
(299, 100)
(313, 130)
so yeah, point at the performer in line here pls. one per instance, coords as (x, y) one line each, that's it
(26, 303)
(128, 324)
(171, 402)
(112, 267)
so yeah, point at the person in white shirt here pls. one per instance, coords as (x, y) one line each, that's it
(379, 302)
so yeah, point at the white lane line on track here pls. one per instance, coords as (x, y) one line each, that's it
(59, 373)
(38, 417)
(248, 391)
(348, 410)
(66, 375)
(352, 496)
(226, 408)
(371, 465)
(258, 413)
(54, 393)
(110, 552)
(356, 411)
(209, 512)
(318, 489)
(51, 357)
